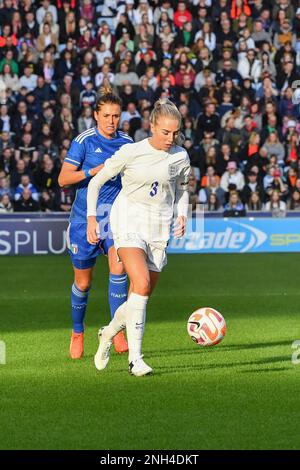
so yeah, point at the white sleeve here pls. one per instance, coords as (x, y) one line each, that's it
(112, 167)
(182, 193)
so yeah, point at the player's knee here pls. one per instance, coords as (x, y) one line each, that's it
(116, 268)
(142, 287)
(83, 285)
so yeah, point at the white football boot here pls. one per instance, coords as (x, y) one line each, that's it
(101, 357)
(139, 368)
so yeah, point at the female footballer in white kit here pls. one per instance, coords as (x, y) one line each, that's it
(155, 175)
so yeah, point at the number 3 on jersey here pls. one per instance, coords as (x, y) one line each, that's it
(154, 187)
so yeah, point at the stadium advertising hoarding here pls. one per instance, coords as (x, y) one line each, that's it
(240, 235)
(26, 236)
(33, 236)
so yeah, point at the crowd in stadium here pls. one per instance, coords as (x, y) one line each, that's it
(231, 66)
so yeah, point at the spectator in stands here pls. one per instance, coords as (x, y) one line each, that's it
(144, 91)
(250, 66)
(26, 184)
(182, 15)
(16, 174)
(276, 205)
(46, 201)
(212, 187)
(208, 36)
(85, 120)
(7, 160)
(44, 8)
(5, 204)
(213, 204)
(273, 146)
(277, 185)
(234, 207)
(30, 27)
(5, 124)
(193, 191)
(294, 203)
(5, 141)
(207, 121)
(254, 202)
(253, 185)
(26, 147)
(259, 35)
(26, 203)
(124, 76)
(68, 27)
(4, 187)
(46, 38)
(232, 177)
(88, 95)
(144, 132)
(45, 177)
(291, 178)
(230, 134)
(63, 199)
(130, 114)
(21, 117)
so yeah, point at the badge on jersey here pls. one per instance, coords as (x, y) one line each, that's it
(74, 249)
(173, 170)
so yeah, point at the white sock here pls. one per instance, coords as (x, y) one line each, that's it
(118, 322)
(135, 324)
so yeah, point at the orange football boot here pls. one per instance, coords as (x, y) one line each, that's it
(120, 343)
(76, 345)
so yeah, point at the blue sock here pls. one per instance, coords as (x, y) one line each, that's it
(79, 302)
(117, 292)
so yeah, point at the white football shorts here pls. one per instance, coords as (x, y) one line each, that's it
(156, 257)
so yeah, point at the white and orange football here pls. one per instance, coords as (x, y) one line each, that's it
(206, 326)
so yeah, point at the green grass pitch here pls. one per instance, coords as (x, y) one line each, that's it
(240, 394)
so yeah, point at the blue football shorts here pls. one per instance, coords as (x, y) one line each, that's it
(82, 253)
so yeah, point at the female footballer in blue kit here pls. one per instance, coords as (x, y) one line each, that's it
(85, 158)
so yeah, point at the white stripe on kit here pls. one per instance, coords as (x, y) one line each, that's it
(79, 293)
(83, 133)
(71, 160)
(123, 278)
(125, 136)
(85, 136)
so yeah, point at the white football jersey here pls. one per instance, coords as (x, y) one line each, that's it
(152, 180)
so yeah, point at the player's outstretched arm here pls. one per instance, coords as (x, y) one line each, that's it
(69, 174)
(112, 167)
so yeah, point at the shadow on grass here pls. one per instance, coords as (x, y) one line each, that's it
(260, 370)
(226, 365)
(219, 348)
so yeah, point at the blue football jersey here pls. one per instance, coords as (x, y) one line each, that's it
(88, 150)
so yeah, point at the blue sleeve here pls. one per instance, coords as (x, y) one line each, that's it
(76, 153)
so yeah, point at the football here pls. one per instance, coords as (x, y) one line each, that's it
(206, 326)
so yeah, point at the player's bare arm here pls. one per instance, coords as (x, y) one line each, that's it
(69, 174)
